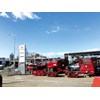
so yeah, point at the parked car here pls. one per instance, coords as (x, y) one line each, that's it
(1, 67)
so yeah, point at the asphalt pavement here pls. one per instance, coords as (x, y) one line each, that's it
(44, 81)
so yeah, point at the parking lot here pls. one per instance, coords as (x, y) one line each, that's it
(10, 80)
(44, 81)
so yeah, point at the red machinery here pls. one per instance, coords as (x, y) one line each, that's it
(40, 69)
(57, 67)
(29, 68)
(87, 66)
(49, 68)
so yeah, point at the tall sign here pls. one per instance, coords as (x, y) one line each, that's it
(22, 58)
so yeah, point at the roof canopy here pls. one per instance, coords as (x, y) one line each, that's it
(91, 53)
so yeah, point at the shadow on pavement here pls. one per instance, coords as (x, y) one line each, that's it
(14, 82)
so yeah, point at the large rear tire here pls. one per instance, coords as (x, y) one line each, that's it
(51, 73)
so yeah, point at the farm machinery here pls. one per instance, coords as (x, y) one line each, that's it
(49, 68)
(80, 64)
(57, 67)
(39, 69)
(85, 64)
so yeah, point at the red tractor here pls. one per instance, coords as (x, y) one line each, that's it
(40, 69)
(57, 67)
(37, 68)
(85, 66)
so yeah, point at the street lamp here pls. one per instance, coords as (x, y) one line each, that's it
(13, 47)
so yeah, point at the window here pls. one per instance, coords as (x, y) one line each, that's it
(0, 62)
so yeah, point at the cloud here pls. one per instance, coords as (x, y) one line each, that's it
(47, 32)
(54, 54)
(55, 29)
(4, 14)
(94, 49)
(49, 54)
(20, 15)
(24, 15)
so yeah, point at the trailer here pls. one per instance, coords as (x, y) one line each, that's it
(88, 64)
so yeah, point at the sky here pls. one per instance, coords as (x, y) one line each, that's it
(49, 33)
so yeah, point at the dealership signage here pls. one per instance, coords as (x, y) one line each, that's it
(22, 58)
(22, 53)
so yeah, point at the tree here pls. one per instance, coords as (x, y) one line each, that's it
(11, 56)
(37, 55)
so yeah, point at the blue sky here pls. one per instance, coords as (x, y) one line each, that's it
(50, 33)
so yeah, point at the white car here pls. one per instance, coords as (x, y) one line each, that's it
(1, 67)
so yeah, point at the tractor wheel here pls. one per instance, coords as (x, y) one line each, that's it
(50, 74)
(72, 74)
(50, 71)
(90, 75)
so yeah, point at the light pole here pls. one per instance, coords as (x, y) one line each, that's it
(14, 39)
(14, 50)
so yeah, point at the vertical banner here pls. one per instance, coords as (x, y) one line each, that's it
(22, 58)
